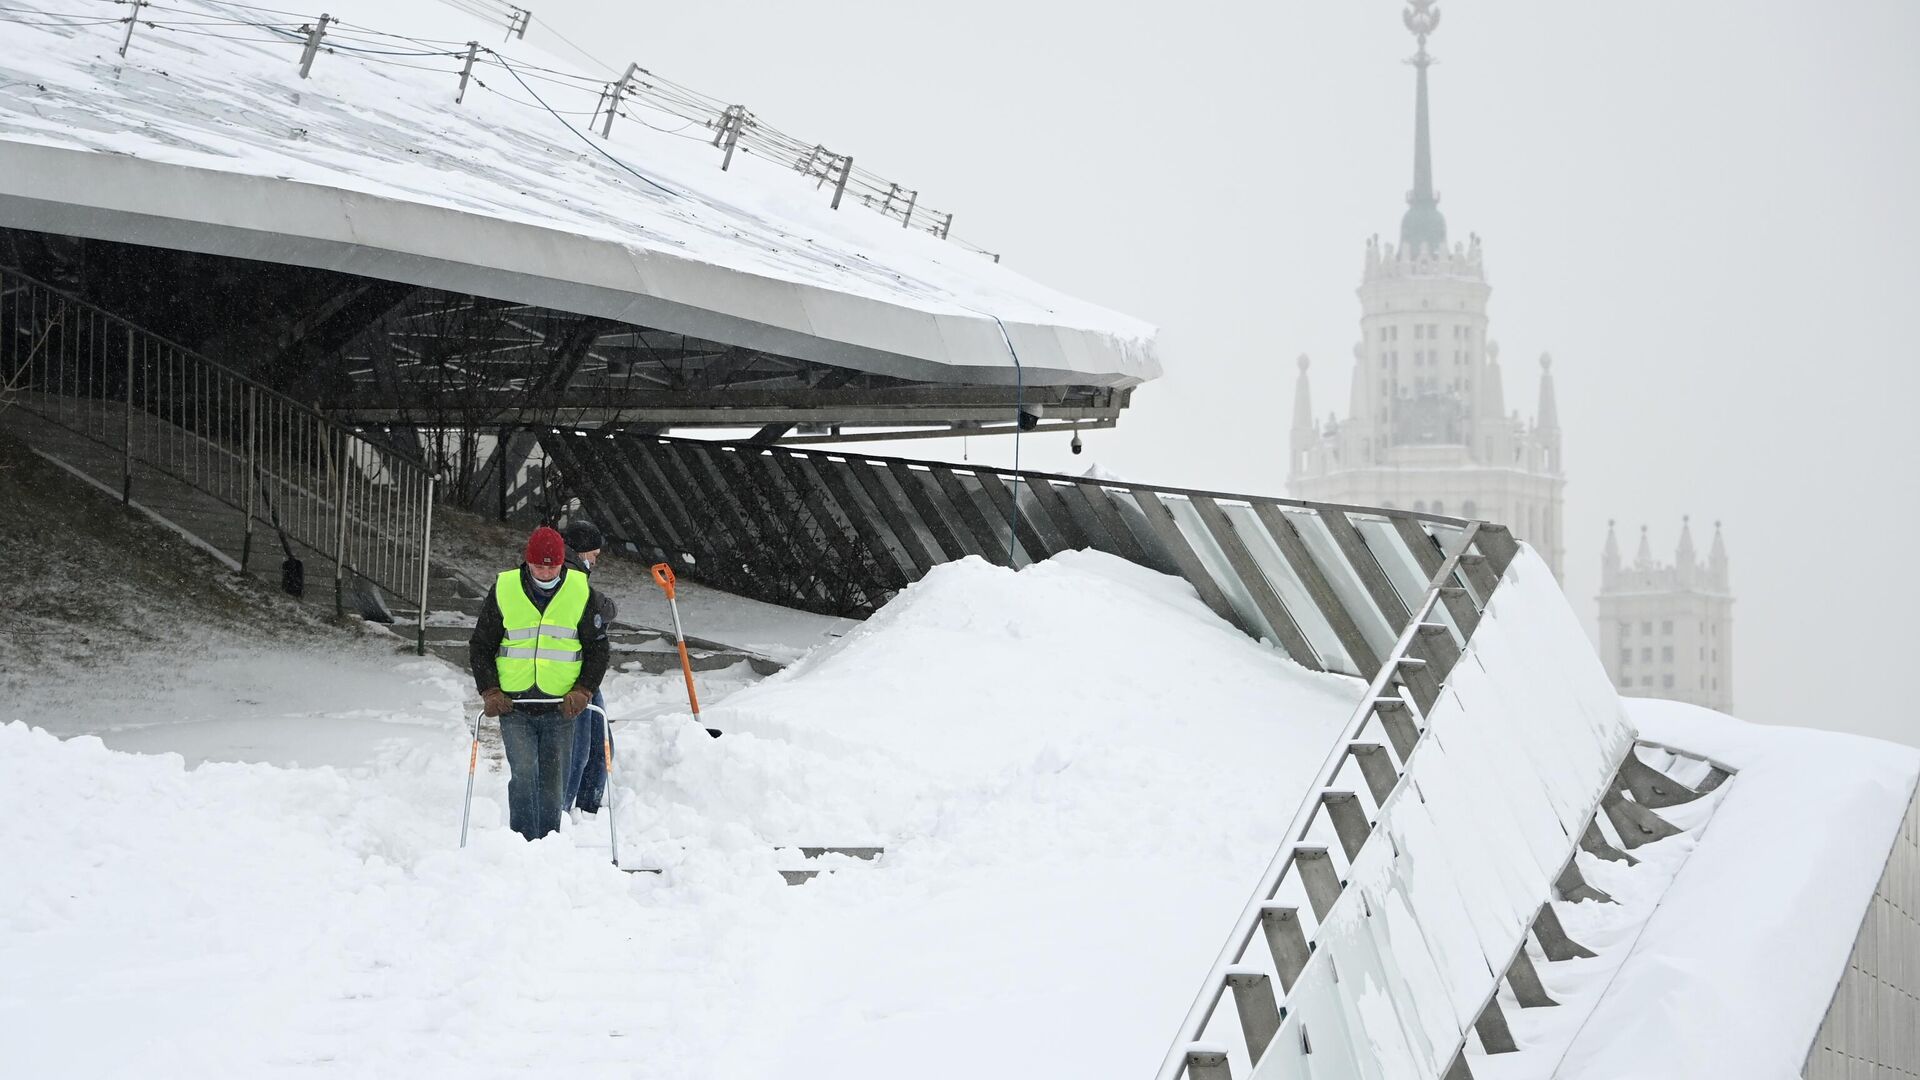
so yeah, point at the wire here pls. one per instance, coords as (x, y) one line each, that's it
(582, 136)
(568, 42)
(1019, 393)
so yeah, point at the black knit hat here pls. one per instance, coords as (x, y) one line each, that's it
(583, 536)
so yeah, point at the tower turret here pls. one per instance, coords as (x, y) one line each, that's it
(1304, 434)
(1717, 559)
(1643, 558)
(1610, 558)
(1686, 561)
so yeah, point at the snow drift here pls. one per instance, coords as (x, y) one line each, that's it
(1074, 769)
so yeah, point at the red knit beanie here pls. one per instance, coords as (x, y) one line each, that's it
(546, 548)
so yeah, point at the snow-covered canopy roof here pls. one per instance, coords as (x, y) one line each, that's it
(206, 138)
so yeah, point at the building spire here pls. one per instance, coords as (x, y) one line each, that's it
(1303, 433)
(1717, 558)
(1422, 226)
(1643, 559)
(1609, 558)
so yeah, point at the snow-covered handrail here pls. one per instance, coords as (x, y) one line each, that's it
(1416, 665)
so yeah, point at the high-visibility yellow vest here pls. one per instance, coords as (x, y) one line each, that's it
(540, 647)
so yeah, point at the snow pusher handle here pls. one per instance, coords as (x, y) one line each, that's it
(663, 574)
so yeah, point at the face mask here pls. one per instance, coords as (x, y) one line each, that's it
(548, 586)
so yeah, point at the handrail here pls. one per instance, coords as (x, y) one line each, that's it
(1065, 478)
(1200, 1014)
(362, 504)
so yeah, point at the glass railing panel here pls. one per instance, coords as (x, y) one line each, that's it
(1200, 538)
(1306, 614)
(1344, 581)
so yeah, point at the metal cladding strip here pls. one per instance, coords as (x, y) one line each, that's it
(1272, 609)
(606, 502)
(727, 543)
(989, 541)
(955, 541)
(1160, 520)
(1053, 509)
(1025, 529)
(777, 517)
(643, 475)
(1104, 508)
(864, 559)
(871, 525)
(1294, 550)
(888, 500)
(650, 518)
(1360, 557)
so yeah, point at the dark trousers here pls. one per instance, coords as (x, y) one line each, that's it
(587, 779)
(538, 747)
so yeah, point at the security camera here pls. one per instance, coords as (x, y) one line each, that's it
(1076, 445)
(1030, 416)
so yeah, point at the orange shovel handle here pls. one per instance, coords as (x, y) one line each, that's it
(663, 574)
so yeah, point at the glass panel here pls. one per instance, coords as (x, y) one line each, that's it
(1200, 538)
(1403, 569)
(1299, 603)
(1346, 584)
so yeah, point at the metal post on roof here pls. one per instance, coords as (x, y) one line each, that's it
(613, 105)
(946, 226)
(517, 21)
(886, 204)
(314, 34)
(736, 119)
(806, 167)
(132, 21)
(840, 187)
(466, 72)
(907, 218)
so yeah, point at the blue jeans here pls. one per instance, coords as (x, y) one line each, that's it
(538, 744)
(587, 778)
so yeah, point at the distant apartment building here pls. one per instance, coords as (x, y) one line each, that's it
(1666, 630)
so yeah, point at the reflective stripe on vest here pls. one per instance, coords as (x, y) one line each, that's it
(545, 649)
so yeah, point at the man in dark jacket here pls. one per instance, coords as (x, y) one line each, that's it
(587, 779)
(539, 650)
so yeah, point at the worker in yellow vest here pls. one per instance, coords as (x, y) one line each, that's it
(538, 652)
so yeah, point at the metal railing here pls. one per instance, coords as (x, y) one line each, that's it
(277, 464)
(639, 95)
(841, 532)
(1390, 717)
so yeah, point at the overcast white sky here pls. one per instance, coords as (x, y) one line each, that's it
(1708, 212)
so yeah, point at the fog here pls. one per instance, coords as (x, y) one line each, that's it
(1705, 211)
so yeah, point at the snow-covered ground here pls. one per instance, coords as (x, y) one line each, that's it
(1075, 770)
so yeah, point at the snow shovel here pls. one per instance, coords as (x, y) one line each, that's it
(606, 750)
(663, 574)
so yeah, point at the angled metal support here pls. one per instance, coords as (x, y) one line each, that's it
(1396, 716)
(1572, 887)
(1208, 1065)
(1495, 1036)
(1650, 787)
(1595, 843)
(1272, 609)
(1349, 820)
(1323, 886)
(1376, 766)
(1294, 549)
(1636, 824)
(1528, 990)
(1287, 941)
(1260, 1015)
(1553, 938)
(1458, 1069)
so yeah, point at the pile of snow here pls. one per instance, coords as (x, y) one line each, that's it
(1076, 770)
(1733, 971)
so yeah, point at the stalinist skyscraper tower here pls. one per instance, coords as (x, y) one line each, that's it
(1427, 425)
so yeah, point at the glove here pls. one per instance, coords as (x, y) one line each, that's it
(577, 699)
(495, 702)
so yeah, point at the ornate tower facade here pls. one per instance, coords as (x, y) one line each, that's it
(1427, 426)
(1666, 631)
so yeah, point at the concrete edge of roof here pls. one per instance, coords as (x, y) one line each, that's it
(106, 196)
